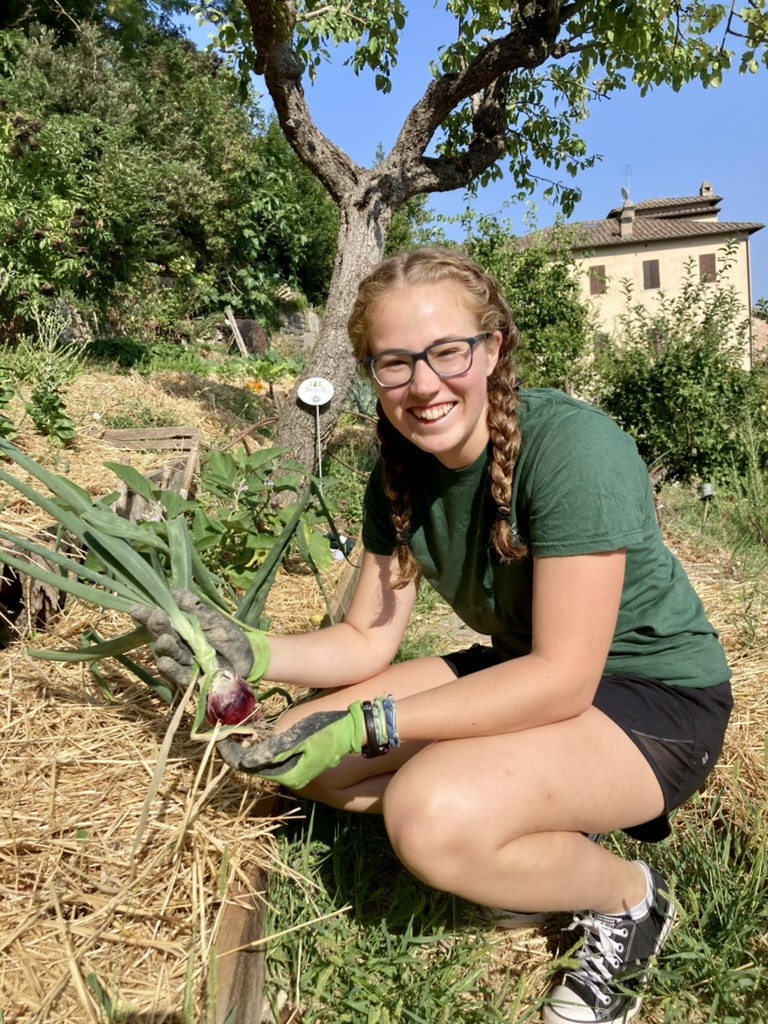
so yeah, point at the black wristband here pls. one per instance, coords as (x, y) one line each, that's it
(375, 746)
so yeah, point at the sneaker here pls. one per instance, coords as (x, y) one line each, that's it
(613, 964)
(516, 920)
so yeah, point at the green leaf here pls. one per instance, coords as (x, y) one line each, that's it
(180, 549)
(135, 480)
(95, 652)
(92, 595)
(150, 587)
(174, 505)
(140, 535)
(251, 606)
(66, 563)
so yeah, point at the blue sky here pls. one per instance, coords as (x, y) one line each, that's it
(661, 145)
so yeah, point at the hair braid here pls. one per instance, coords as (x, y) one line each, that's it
(506, 440)
(394, 453)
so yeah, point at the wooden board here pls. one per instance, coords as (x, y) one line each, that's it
(180, 439)
(240, 955)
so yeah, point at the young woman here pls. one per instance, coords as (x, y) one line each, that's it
(603, 697)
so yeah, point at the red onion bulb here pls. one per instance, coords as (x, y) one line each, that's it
(231, 701)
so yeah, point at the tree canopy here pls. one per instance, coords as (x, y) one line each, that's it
(137, 184)
(131, 22)
(508, 93)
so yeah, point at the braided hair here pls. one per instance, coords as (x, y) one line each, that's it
(482, 296)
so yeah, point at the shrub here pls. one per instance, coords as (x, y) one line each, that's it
(674, 379)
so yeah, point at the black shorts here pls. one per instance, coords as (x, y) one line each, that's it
(678, 729)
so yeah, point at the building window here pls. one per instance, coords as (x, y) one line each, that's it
(707, 268)
(651, 274)
(597, 280)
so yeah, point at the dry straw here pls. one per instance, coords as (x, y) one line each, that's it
(89, 925)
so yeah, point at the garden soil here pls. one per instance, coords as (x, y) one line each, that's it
(114, 878)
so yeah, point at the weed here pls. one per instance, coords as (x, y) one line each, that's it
(274, 365)
(352, 453)
(48, 362)
(7, 390)
(138, 415)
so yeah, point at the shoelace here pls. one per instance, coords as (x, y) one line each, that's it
(602, 946)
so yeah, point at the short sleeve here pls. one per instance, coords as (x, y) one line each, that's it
(586, 488)
(378, 534)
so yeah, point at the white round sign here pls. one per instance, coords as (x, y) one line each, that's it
(316, 391)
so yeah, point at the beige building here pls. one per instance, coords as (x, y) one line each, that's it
(653, 246)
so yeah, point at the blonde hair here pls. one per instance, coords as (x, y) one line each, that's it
(480, 292)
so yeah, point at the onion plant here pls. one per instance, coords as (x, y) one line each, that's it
(126, 564)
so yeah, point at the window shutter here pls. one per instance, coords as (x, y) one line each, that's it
(708, 267)
(651, 277)
(597, 280)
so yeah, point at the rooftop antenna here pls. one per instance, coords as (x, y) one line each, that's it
(625, 190)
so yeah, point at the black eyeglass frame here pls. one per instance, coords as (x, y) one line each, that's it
(414, 357)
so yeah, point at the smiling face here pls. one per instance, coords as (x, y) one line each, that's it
(443, 416)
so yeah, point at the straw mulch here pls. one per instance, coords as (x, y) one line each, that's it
(112, 897)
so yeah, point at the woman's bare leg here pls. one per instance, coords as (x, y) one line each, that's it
(499, 820)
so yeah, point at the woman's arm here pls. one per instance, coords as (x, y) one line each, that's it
(575, 607)
(356, 649)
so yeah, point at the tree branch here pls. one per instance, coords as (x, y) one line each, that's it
(273, 23)
(532, 40)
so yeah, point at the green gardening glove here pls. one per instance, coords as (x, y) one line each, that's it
(318, 742)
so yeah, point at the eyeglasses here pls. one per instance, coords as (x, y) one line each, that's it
(446, 358)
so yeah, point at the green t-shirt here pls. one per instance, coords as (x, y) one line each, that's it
(580, 487)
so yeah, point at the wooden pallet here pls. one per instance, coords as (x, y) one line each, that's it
(181, 441)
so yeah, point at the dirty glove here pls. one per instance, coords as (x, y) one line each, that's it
(240, 649)
(317, 742)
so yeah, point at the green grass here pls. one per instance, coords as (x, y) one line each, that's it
(361, 940)
(358, 939)
(713, 970)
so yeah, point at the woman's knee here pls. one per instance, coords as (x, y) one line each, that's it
(427, 827)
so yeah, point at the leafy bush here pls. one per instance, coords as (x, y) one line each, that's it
(252, 512)
(744, 494)
(674, 379)
(48, 361)
(239, 516)
(139, 186)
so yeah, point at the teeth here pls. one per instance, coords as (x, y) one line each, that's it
(434, 413)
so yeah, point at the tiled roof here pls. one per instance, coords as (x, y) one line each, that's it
(592, 234)
(684, 206)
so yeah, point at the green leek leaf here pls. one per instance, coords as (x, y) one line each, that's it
(251, 606)
(101, 598)
(95, 652)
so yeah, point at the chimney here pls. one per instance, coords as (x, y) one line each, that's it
(627, 219)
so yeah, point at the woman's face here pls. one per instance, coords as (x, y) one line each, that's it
(444, 416)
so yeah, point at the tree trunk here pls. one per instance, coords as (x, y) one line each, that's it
(362, 234)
